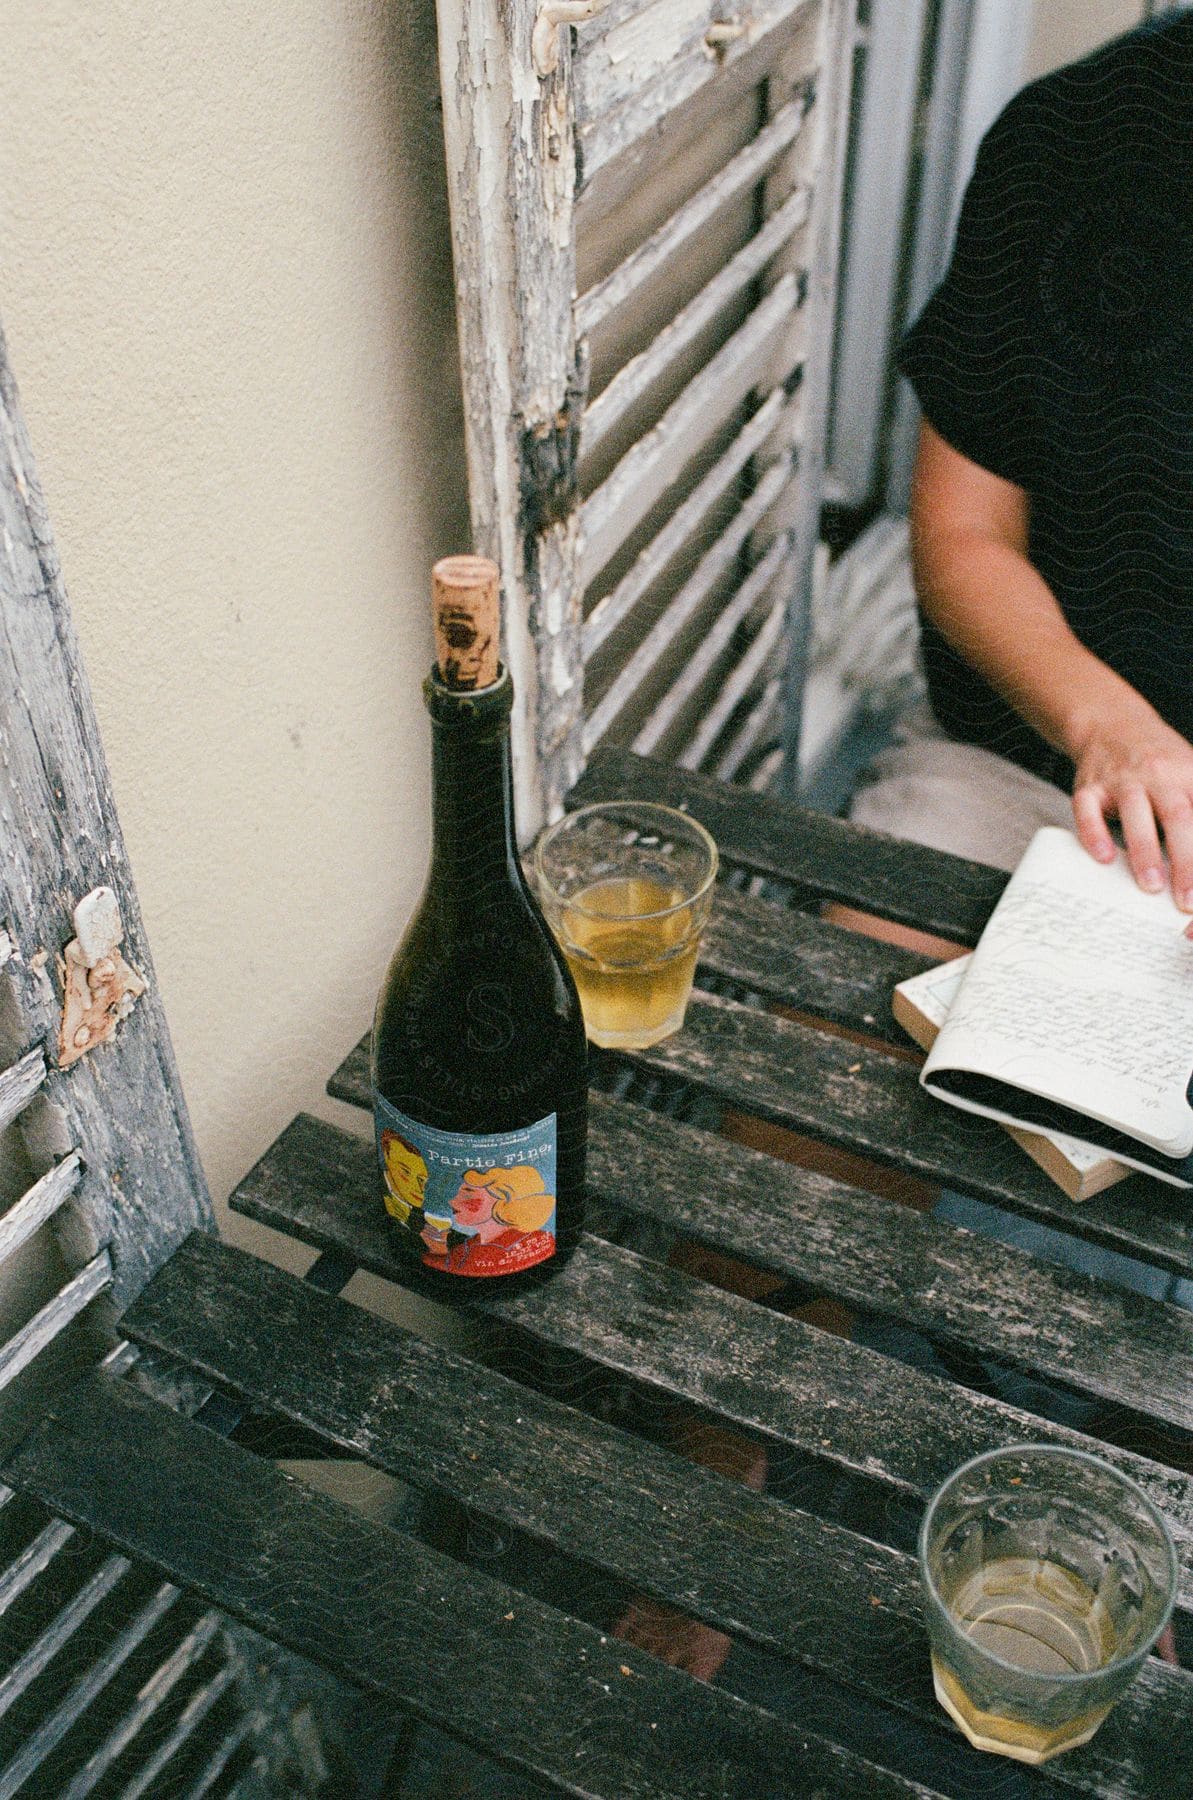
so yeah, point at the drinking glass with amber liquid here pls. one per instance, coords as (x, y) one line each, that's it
(626, 887)
(1047, 1578)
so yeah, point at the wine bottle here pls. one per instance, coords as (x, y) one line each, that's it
(479, 1055)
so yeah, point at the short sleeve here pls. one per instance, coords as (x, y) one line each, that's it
(971, 352)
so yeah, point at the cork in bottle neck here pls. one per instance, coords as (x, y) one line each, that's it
(466, 593)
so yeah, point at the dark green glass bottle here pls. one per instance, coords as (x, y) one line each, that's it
(479, 1055)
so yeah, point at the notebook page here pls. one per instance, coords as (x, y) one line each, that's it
(1081, 990)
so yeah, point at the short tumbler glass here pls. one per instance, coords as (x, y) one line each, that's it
(1047, 1578)
(626, 887)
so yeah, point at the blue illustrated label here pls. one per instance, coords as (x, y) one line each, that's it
(474, 1203)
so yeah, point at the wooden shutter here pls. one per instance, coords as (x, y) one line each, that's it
(109, 1679)
(644, 210)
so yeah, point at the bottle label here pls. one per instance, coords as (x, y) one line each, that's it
(474, 1203)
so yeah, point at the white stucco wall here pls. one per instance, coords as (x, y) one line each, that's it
(226, 281)
(1063, 30)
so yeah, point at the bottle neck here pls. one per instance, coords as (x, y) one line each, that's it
(474, 843)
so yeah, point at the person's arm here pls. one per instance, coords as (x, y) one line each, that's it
(975, 583)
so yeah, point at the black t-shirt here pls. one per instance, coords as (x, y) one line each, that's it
(1058, 353)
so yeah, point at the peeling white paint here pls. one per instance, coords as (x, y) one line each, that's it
(511, 163)
(512, 143)
(651, 40)
(561, 674)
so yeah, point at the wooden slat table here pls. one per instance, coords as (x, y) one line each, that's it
(559, 1426)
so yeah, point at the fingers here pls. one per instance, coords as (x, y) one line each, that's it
(1142, 839)
(1089, 813)
(1142, 817)
(1175, 812)
(1144, 778)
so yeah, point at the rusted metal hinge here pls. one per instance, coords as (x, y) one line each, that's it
(99, 987)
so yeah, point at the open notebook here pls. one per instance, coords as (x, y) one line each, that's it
(1075, 1013)
(921, 1005)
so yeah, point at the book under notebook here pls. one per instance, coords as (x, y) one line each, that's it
(1075, 1013)
(921, 1005)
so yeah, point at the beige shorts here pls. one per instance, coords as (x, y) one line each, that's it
(933, 790)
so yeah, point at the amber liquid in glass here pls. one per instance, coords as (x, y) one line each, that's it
(633, 971)
(1045, 1620)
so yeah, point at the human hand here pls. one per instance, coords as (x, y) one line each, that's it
(1133, 767)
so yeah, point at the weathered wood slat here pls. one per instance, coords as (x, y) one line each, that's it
(402, 1621)
(880, 1257)
(149, 1697)
(630, 52)
(832, 857)
(656, 461)
(19, 1084)
(684, 522)
(54, 1316)
(32, 1561)
(636, 377)
(511, 166)
(798, 959)
(717, 562)
(699, 665)
(821, 1394)
(247, 1786)
(36, 1657)
(746, 168)
(818, 158)
(245, 1727)
(761, 654)
(122, 1104)
(753, 730)
(844, 1093)
(863, 1100)
(83, 1691)
(120, 1358)
(736, 1558)
(784, 955)
(610, 15)
(28, 1214)
(633, 76)
(184, 1727)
